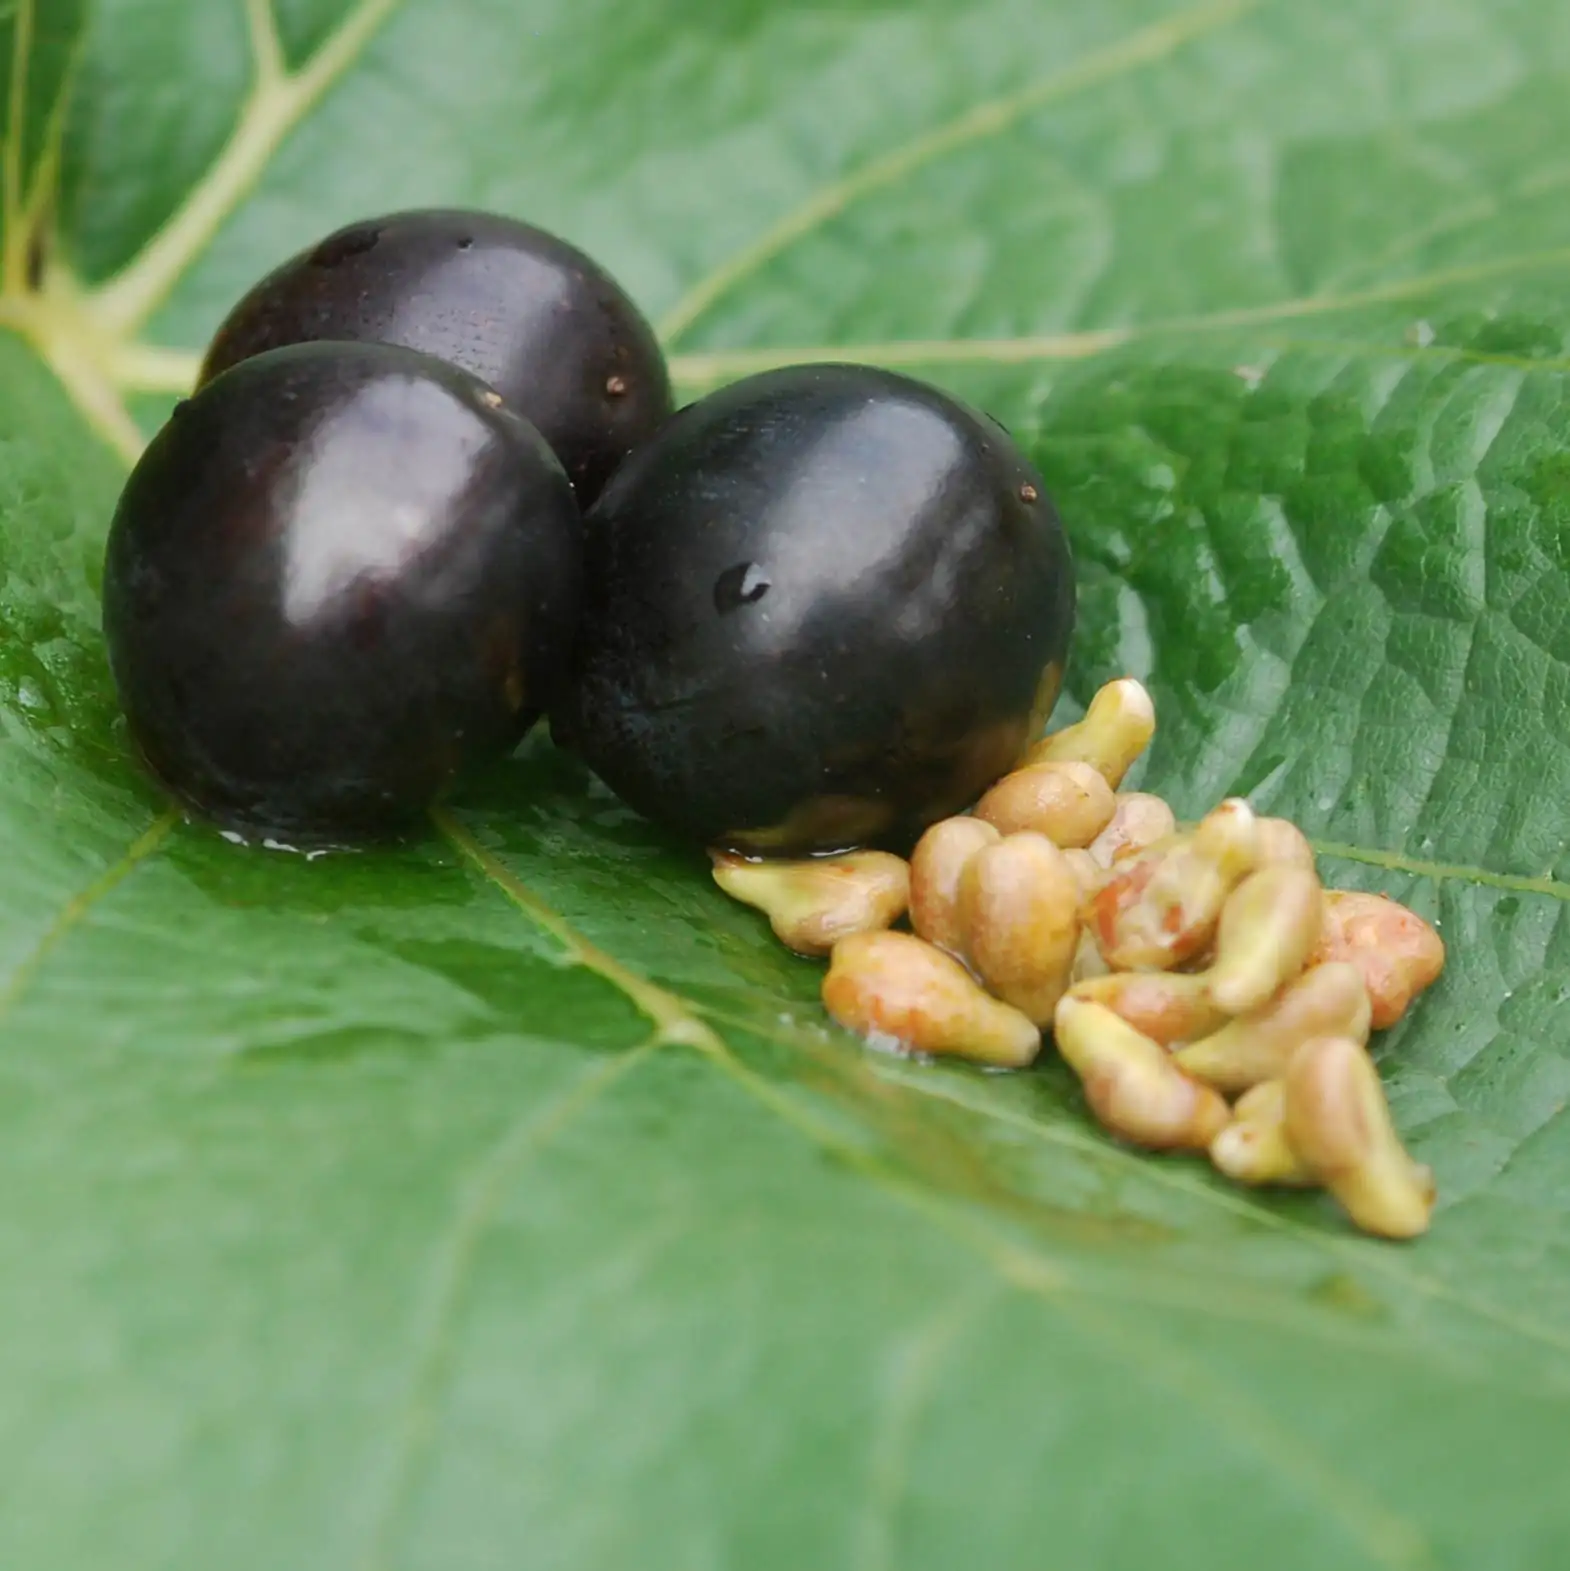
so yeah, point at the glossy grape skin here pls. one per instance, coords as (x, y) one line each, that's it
(826, 606)
(546, 326)
(339, 575)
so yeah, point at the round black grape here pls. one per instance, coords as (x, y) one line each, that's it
(339, 575)
(547, 327)
(825, 606)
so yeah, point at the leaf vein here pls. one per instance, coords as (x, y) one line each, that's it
(1458, 872)
(278, 101)
(677, 1020)
(454, 1259)
(11, 174)
(1145, 47)
(1387, 1537)
(707, 367)
(75, 910)
(1182, 1181)
(267, 58)
(919, 1364)
(672, 1020)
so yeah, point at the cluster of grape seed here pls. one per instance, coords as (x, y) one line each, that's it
(1207, 990)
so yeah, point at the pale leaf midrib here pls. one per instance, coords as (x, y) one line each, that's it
(706, 367)
(82, 334)
(1033, 1271)
(277, 103)
(149, 368)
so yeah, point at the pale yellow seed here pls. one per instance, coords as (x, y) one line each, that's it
(935, 867)
(896, 988)
(1268, 928)
(1166, 1006)
(1070, 803)
(1338, 1122)
(1019, 911)
(811, 905)
(1326, 1000)
(1253, 1148)
(1138, 820)
(1158, 909)
(1087, 873)
(1398, 953)
(1116, 729)
(1088, 962)
(1132, 1084)
(1281, 842)
(1228, 835)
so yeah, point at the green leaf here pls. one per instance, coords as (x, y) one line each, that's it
(504, 1199)
(39, 40)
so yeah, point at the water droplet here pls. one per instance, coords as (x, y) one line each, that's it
(892, 1047)
(744, 584)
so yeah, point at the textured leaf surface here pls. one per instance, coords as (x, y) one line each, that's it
(503, 1200)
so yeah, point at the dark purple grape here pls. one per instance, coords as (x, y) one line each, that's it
(825, 606)
(338, 576)
(547, 327)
